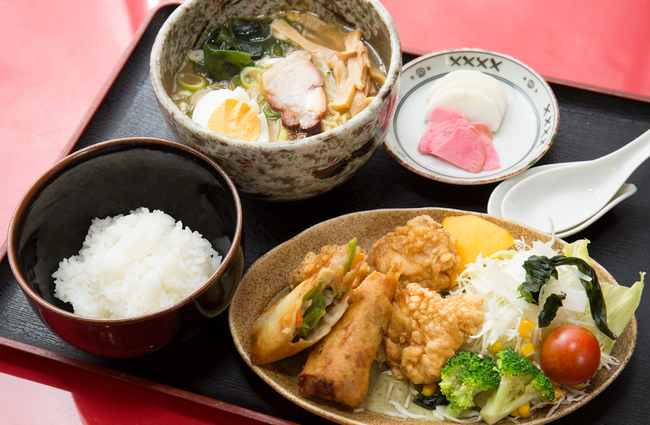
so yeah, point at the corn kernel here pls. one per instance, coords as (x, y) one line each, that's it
(526, 328)
(527, 350)
(578, 386)
(496, 347)
(524, 410)
(559, 393)
(428, 390)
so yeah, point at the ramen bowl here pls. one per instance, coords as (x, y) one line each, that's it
(293, 169)
(114, 178)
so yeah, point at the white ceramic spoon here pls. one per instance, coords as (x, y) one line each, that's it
(625, 191)
(571, 194)
(496, 198)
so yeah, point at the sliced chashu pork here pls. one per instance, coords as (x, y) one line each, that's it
(295, 86)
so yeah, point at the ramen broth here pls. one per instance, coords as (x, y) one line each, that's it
(236, 56)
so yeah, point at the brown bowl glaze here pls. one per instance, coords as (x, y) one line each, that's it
(269, 275)
(116, 177)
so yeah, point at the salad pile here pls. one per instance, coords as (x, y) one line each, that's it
(549, 326)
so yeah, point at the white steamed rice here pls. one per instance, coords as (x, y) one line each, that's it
(134, 264)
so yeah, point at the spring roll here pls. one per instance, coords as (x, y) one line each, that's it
(338, 367)
(308, 312)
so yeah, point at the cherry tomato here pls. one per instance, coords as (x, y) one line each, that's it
(570, 355)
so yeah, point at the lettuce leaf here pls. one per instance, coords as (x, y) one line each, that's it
(578, 249)
(622, 302)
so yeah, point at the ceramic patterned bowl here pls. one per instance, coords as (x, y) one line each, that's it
(291, 170)
(116, 177)
(527, 132)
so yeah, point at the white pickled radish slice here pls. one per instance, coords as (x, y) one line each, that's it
(475, 105)
(479, 85)
(465, 74)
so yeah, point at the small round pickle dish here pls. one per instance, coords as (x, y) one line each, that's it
(527, 131)
(269, 275)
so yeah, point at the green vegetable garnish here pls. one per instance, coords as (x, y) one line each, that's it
(551, 306)
(190, 81)
(578, 249)
(464, 376)
(310, 294)
(352, 249)
(271, 113)
(196, 55)
(224, 64)
(313, 313)
(199, 68)
(538, 272)
(622, 302)
(250, 77)
(252, 36)
(429, 402)
(520, 382)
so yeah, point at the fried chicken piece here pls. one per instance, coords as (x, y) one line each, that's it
(423, 250)
(425, 330)
(313, 263)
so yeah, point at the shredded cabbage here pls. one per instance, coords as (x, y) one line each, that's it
(498, 277)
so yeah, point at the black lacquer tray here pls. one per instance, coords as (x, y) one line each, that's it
(208, 368)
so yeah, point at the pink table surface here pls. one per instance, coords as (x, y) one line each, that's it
(37, 390)
(55, 57)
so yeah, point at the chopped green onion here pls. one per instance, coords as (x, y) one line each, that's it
(250, 77)
(196, 55)
(271, 113)
(191, 82)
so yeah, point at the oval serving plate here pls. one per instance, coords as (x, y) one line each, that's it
(269, 275)
(527, 131)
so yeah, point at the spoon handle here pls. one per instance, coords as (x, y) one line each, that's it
(633, 154)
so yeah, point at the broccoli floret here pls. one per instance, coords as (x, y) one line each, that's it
(465, 375)
(521, 381)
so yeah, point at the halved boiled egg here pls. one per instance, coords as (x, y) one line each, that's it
(232, 113)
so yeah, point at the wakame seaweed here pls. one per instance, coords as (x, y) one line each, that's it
(539, 270)
(551, 306)
(429, 402)
(226, 46)
(224, 64)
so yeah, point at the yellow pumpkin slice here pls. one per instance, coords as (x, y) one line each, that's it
(475, 236)
(236, 119)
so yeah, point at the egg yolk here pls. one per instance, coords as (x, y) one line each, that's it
(236, 119)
